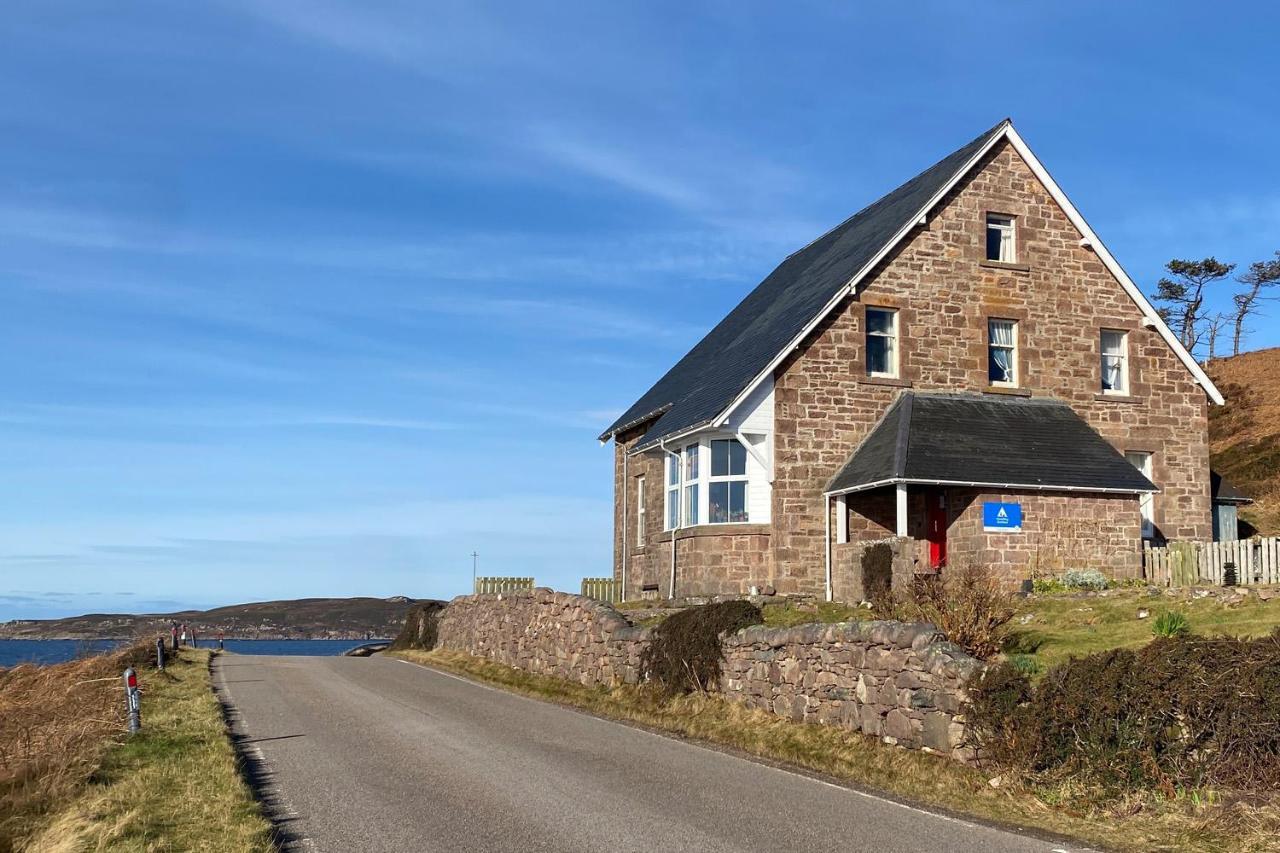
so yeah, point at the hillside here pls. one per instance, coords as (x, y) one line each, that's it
(1244, 435)
(300, 619)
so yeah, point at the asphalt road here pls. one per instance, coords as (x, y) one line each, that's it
(375, 754)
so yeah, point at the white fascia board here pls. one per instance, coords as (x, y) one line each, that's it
(919, 219)
(1099, 249)
(1026, 487)
(922, 218)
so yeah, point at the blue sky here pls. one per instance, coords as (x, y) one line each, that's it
(317, 298)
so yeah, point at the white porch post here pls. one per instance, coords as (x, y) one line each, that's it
(902, 510)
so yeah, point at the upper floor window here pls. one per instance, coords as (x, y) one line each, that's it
(1002, 352)
(882, 342)
(727, 488)
(1000, 239)
(640, 511)
(1115, 362)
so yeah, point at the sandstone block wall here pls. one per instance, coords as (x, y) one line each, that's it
(899, 682)
(547, 633)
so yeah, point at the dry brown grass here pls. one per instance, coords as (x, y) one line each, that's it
(1244, 435)
(73, 781)
(1189, 821)
(55, 723)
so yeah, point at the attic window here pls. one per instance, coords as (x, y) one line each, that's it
(1000, 239)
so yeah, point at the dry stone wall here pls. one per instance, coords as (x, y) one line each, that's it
(547, 633)
(901, 682)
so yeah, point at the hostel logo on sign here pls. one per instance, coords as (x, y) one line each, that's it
(1001, 517)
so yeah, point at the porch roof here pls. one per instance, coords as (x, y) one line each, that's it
(987, 440)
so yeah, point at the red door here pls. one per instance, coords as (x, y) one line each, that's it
(937, 532)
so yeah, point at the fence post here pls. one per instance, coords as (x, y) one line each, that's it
(160, 653)
(133, 700)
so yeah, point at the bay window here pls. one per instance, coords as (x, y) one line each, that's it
(691, 484)
(711, 482)
(673, 493)
(727, 488)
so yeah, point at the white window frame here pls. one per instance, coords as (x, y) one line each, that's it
(744, 478)
(671, 492)
(1142, 460)
(1015, 368)
(894, 340)
(693, 496)
(640, 517)
(698, 488)
(1123, 355)
(1007, 227)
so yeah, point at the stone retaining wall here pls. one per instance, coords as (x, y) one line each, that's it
(901, 682)
(547, 633)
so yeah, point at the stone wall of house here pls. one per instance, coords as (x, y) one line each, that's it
(547, 633)
(945, 291)
(901, 682)
(1059, 532)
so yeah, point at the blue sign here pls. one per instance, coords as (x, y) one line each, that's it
(1001, 517)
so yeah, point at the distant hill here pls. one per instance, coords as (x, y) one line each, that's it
(300, 619)
(1244, 435)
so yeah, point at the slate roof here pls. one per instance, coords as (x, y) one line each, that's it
(1224, 492)
(1025, 442)
(740, 347)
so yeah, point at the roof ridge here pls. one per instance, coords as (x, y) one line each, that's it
(990, 132)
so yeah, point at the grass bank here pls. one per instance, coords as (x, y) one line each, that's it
(1049, 628)
(173, 787)
(1052, 628)
(1192, 821)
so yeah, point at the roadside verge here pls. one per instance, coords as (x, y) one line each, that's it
(174, 786)
(860, 761)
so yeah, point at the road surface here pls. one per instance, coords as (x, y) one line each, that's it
(375, 754)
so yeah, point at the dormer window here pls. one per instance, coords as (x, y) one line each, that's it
(1000, 239)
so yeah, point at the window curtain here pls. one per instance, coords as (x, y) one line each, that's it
(1002, 348)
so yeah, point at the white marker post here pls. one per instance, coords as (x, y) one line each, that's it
(133, 700)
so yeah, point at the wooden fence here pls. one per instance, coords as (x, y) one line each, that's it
(1252, 562)
(602, 589)
(502, 584)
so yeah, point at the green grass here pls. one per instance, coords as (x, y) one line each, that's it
(1190, 821)
(787, 613)
(173, 787)
(1064, 625)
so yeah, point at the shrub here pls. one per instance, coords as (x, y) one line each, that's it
(877, 571)
(1084, 579)
(1025, 664)
(685, 651)
(1047, 585)
(1180, 712)
(967, 603)
(1171, 623)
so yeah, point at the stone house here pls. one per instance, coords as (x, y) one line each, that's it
(961, 367)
